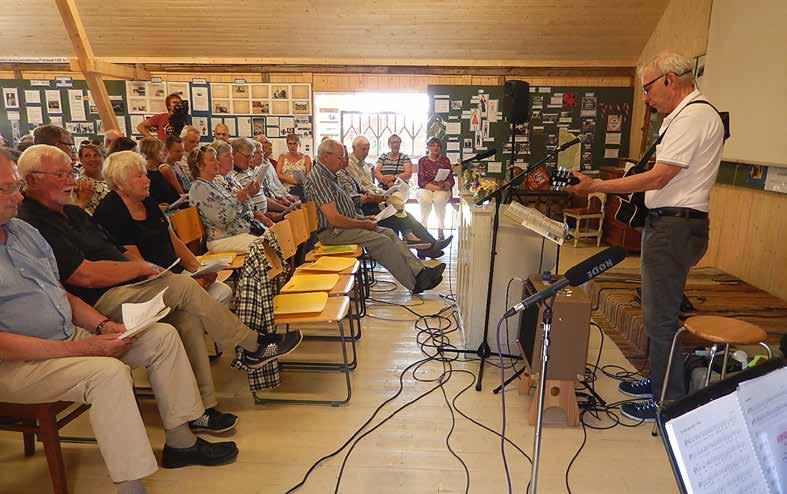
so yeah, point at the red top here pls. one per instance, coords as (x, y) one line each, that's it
(163, 128)
(427, 169)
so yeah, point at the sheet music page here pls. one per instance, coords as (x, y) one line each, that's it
(764, 404)
(713, 449)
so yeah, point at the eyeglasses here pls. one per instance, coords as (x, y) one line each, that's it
(646, 87)
(12, 188)
(342, 156)
(61, 175)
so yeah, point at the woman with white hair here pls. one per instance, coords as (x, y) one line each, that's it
(135, 220)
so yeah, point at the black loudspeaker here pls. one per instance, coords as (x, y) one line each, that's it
(516, 102)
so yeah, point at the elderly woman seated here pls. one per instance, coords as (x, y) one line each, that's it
(135, 220)
(226, 212)
(90, 187)
(160, 189)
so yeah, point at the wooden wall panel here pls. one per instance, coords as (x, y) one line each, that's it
(684, 28)
(747, 237)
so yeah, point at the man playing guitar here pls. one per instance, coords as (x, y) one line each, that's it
(675, 235)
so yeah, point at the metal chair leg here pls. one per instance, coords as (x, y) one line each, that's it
(724, 362)
(666, 376)
(710, 363)
(767, 349)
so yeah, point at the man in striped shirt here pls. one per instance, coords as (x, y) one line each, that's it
(339, 223)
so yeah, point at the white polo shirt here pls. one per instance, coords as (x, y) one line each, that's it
(693, 141)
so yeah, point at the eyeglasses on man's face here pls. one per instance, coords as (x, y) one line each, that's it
(61, 175)
(11, 189)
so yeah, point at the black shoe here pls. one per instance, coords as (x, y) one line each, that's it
(443, 243)
(272, 346)
(432, 253)
(439, 269)
(202, 453)
(214, 421)
(637, 389)
(644, 411)
(428, 278)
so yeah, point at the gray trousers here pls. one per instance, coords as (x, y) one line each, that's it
(383, 246)
(670, 246)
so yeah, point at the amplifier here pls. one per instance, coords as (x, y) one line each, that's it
(568, 338)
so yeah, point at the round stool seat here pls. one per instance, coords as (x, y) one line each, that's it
(725, 330)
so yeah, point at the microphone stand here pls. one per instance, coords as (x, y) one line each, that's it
(484, 351)
(542, 381)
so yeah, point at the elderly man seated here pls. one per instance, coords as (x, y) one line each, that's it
(339, 223)
(46, 355)
(221, 133)
(103, 273)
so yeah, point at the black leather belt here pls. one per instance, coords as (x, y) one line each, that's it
(680, 213)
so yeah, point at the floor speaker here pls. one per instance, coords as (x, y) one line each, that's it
(516, 102)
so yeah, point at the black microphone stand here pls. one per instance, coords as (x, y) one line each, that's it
(484, 351)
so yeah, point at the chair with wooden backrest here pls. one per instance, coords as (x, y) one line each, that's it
(187, 225)
(41, 419)
(311, 215)
(300, 228)
(284, 235)
(591, 212)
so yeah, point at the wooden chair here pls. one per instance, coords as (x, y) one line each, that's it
(41, 419)
(335, 311)
(300, 228)
(310, 209)
(284, 235)
(591, 212)
(188, 227)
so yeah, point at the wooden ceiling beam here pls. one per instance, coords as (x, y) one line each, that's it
(86, 61)
(107, 69)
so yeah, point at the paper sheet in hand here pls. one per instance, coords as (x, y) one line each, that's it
(441, 175)
(158, 275)
(385, 213)
(534, 220)
(139, 317)
(398, 186)
(208, 267)
(183, 198)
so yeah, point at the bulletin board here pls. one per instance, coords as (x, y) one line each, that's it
(63, 101)
(472, 117)
(67, 102)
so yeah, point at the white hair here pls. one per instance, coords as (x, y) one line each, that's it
(188, 130)
(326, 147)
(220, 147)
(360, 140)
(118, 166)
(242, 143)
(670, 62)
(32, 158)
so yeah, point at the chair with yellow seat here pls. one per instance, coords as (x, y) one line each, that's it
(717, 330)
(187, 226)
(334, 311)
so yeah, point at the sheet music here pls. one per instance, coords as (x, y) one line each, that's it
(534, 220)
(713, 449)
(764, 405)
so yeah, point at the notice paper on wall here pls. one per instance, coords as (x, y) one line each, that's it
(442, 105)
(77, 104)
(453, 128)
(33, 97)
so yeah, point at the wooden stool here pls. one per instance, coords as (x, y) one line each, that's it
(559, 394)
(719, 331)
(41, 419)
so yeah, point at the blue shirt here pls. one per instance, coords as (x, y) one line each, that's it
(32, 302)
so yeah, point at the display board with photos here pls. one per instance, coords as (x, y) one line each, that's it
(469, 120)
(61, 101)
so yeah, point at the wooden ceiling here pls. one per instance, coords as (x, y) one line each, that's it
(526, 33)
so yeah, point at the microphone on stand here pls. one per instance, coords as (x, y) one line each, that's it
(480, 156)
(575, 276)
(571, 143)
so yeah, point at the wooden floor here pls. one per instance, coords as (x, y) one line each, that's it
(406, 455)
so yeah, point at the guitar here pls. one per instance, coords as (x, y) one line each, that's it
(559, 179)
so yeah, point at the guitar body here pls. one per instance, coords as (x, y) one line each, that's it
(632, 210)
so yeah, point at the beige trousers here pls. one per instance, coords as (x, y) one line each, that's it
(236, 243)
(105, 383)
(194, 313)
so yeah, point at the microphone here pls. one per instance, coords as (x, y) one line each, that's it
(570, 143)
(480, 156)
(575, 276)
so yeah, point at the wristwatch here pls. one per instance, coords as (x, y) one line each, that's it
(102, 324)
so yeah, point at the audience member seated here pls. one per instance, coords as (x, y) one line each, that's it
(243, 174)
(25, 142)
(134, 220)
(402, 222)
(161, 122)
(431, 191)
(111, 136)
(339, 223)
(65, 349)
(226, 215)
(122, 144)
(247, 193)
(105, 275)
(275, 204)
(171, 168)
(53, 135)
(278, 189)
(90, 187)
(293, 165)
(160, 189)
(393, 164)
(191, 137)
(221, 133)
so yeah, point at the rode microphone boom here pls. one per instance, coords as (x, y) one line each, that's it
(575, 276)
(480, 156)
(570, 143)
